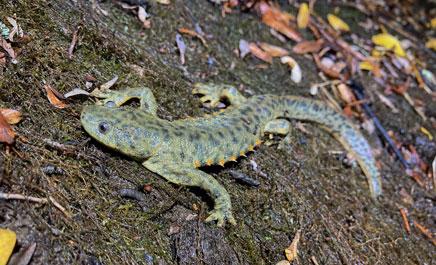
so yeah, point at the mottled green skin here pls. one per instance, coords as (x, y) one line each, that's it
(176, 149)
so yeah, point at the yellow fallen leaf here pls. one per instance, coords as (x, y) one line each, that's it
(377, 53)
(337, 23)
(7, 244)
(365, 65)
(427, 133)
(433, 23)
(303, 16)
(389, 42)
(431, 44)
(291, 252)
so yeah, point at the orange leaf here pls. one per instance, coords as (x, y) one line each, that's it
(11, 116)
(256, 51)
(276, 20)
(328, 71)
(53, 96)
(7, 135)
(274, 51)
(193, 34)
(308, 46)
(291, 252)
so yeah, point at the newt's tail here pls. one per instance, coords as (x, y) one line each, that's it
(343, 130)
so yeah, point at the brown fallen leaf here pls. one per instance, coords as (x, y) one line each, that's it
(256, 51)
(8, 48)
(11, 116)
(326, 70)
(308, 46)
(193, 34)
(55, 97)
(291, 252)
(406, 224)
(424, 230)
(23, 256)
(345, 93)
(277, 20)
(7, 135)
(272, 50)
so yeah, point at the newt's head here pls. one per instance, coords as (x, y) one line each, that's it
(123, 130)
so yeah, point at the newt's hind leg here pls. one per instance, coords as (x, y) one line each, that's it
(214, 93)
(116, 98)
(278, 126)
(185, 174)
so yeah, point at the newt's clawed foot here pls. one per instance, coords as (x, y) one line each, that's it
(111, 98)
(210, 93)
(221, 215)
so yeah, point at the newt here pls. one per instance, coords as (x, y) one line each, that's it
(176, 150)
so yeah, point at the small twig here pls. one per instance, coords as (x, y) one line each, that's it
(358, 91)
(73, 43)
(313, 259)
(14, 196)
(425, 231)
(403, 212)
(60, 207)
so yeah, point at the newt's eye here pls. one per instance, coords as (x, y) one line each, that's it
(103, 127)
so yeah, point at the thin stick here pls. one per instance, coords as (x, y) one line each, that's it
(358, 91)
(14, 196)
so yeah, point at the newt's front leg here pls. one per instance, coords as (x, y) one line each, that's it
(116, 98)
(185, 174)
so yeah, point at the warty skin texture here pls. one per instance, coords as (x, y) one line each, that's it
(176, 149)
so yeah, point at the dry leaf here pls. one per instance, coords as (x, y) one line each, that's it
(244, 48)
(11, 116)
(433, 165)
(144, 17)
(23, 256)
(291, 252)
(387, 102)
(163, 2)
(283, 262)
(7, 244)
(389, 42)
(181, 46)
(308, 46)
(109, 83)
(325, 69)
(54, 97)
(279, 21)
(431, 44)
(8, 48)
(424, 230)
(16, 29)
(433, 23)
(193, 34)
(303, 16)
(296, 73)
(75, 92)
(337, 23)
(345, 93)
(7, 135)
(274, 51)
(256, 51)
